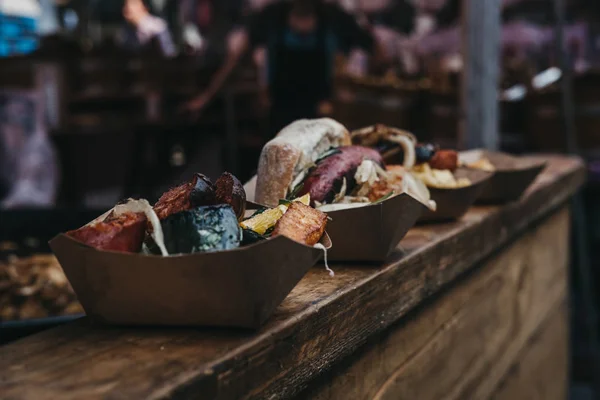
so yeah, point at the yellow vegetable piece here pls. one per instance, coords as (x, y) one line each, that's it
(437, 178)
(264, 221)
(304, 199)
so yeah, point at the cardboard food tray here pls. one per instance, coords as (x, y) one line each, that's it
(368, 233)
(234, 288)
(454, 203)
(512, 177)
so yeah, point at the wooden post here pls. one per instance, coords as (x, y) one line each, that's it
(479, 100)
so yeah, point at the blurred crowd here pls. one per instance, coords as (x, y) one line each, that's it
(408, 30)
(292, 42)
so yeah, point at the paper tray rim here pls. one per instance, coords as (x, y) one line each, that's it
(325, 241)
(532, 165)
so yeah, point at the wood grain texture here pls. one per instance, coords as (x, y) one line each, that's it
(541, 373)
(460, 345)
(322, 321)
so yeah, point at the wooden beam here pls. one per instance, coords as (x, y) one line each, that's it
(476, 332)
(479, 100)
(323, 320)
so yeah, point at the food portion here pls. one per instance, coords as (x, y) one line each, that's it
(124, 233)
(443, 160)
(482, 164)
(229, 190)
(325, 181)
(334, 173)
(34, 287)
(200, 191)
(264, 220)
(285, 160)
(438, 178)
(198, 217)
(202, 229)
(301, 223)
(425, 162)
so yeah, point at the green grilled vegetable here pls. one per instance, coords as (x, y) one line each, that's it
(266, 220)
(261, 222)
(296, 190)
(251, 237)
(202, 229)
(328, 153)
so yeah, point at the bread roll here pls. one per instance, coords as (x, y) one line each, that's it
(291, 152)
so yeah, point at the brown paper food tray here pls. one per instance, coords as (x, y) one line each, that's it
(234, 288)
(454, 203)
(511, 179)
(368, 233)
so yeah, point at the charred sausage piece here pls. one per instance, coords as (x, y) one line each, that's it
(326, 179)
(444, 159)
(229, 190)
(195, 193)
(123, 233)
(203, 191)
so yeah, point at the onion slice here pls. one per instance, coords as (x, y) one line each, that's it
(417, 189)
(408, 146)
(326, 208)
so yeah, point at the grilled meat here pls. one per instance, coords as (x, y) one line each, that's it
(325, 180)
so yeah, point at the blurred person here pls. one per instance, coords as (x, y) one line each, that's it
(144, 29)
(301, 38)
(28, 166)
(523, 34)
(201, 26)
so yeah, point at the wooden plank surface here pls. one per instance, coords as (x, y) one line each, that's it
(323, 320)
(473, 335)
(536, 376)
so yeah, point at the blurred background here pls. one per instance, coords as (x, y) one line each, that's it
(106, 99)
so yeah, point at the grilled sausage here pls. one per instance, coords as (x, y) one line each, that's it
(326, 179)
(195, 193)
(123, 233)
(444, 159)
(229, 190)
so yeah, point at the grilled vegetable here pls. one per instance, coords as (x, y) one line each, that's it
(251, 237)
(301, 223)
(263, 221)
(202, 229)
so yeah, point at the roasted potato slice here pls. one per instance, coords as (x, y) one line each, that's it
(301, 223)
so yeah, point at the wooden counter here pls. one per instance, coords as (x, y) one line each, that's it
(467, 310)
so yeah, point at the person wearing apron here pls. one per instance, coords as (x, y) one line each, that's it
(301, 38)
